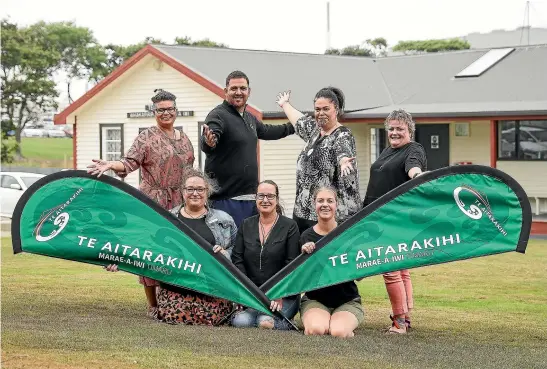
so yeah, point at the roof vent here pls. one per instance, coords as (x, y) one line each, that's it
(484, 63)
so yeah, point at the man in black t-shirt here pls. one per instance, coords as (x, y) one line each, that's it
(403, 160)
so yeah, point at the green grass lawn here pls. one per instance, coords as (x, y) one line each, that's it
(46, 152)
(489, 312)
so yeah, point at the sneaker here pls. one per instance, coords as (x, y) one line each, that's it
(407, 323)
(398, 326)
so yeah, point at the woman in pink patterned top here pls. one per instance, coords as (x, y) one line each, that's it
(162, 153)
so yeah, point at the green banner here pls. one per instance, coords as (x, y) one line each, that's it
(72, 215)
(445, 215)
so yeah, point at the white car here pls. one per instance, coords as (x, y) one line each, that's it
(12, 186)
(33, 132)
(56, 131)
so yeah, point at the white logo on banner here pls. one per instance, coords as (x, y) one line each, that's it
(61, 221)
(473, 212)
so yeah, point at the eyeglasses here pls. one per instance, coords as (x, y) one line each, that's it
(191, 190)
(269, 196)
(170, 110)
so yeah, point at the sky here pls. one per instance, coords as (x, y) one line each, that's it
(281, 25)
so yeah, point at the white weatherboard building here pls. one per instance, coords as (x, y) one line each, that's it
(485, 107)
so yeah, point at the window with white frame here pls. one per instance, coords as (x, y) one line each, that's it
(111, 143)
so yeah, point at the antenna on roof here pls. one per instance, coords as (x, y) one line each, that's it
(526, 24)
(328, 25)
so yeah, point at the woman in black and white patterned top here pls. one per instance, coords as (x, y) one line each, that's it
(328, 158)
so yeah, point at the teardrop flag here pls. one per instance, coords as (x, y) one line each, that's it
(445, 215)
(73, 215)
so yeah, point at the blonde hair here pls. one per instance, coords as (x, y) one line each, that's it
(191, 173)
(325, 188)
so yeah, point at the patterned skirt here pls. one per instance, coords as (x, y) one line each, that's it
(176, 308)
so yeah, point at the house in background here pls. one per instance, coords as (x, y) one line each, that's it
(485, 107)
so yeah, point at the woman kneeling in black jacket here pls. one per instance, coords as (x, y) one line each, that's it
(265, 243)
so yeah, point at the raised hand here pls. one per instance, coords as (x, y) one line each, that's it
(282, 98)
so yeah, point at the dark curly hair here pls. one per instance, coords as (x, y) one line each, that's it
(162, 95)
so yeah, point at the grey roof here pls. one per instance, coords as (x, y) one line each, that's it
(423, 84)
(273, 72)
(504, 38)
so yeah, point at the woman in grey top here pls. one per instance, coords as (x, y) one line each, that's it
(328, 158)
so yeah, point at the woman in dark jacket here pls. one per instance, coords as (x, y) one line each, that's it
(266, 243)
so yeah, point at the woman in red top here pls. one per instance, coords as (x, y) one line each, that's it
(162, 153)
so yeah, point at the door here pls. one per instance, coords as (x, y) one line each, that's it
(435, 140)
(10, 196)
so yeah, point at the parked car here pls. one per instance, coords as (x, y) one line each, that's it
(57, 131)
(69, 130)
(532, 143)
(12, 187)
(33, 132)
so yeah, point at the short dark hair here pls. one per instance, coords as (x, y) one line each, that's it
(278, 208)
(162, 95)
(333, 94)
(236, 74)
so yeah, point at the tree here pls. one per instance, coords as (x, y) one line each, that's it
(353, 50)
(370, 48)
(8, 147)
(117, 54)
(432, 46)
(27, 67)
(81, 57)
(203, 43)
(378, 46)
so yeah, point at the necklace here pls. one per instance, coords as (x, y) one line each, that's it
(263, 230)
(195, 217)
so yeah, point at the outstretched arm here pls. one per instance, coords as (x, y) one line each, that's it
(304, 125)
(282, 100)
